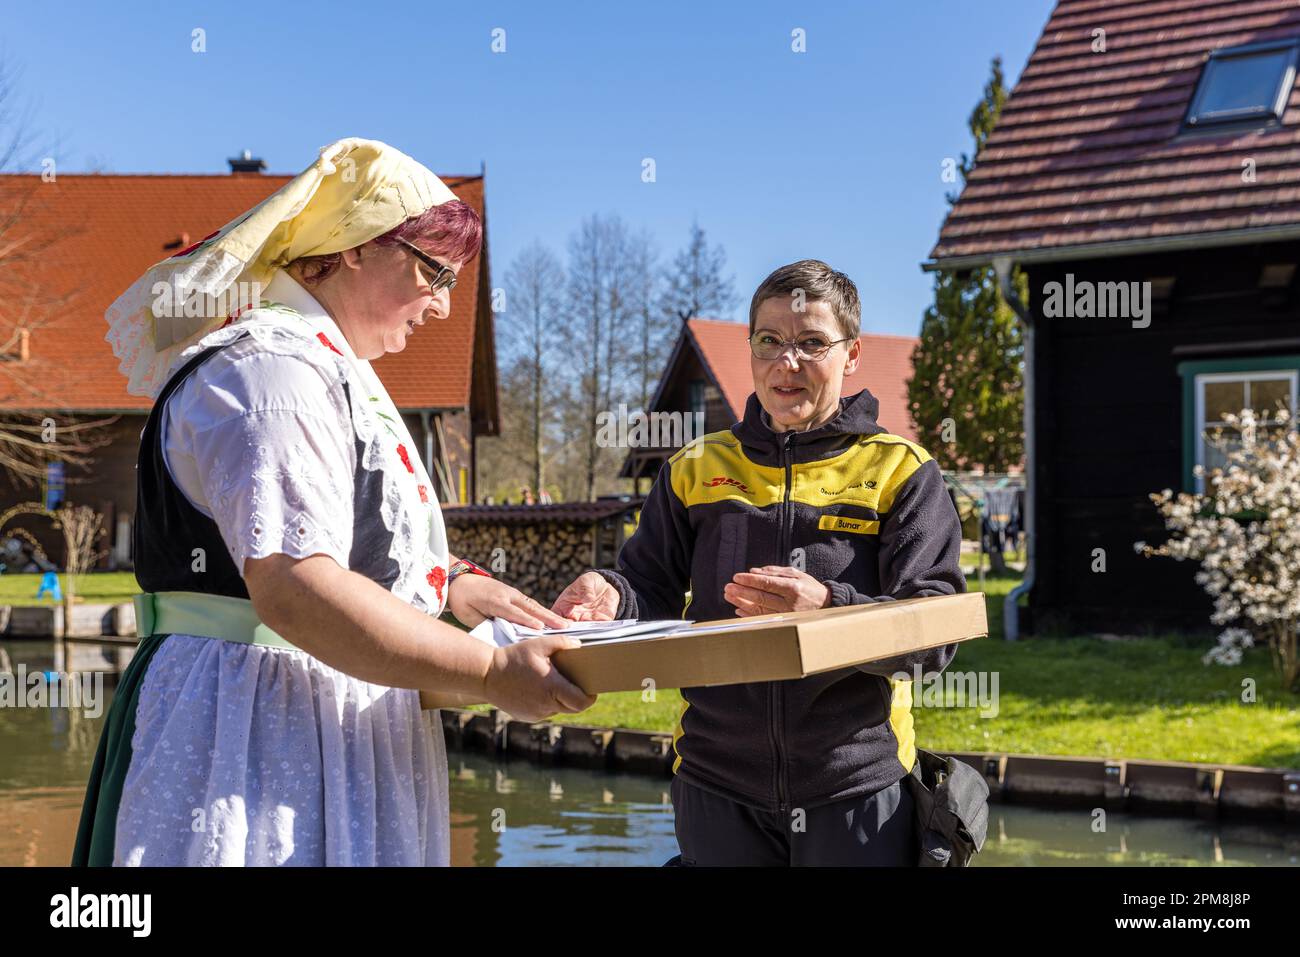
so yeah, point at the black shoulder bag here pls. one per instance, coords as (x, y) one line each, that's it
(952, 809)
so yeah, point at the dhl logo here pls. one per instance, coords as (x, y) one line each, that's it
(726, 480)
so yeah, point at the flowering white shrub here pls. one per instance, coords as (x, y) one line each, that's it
(1245, 532)
(1228, 650)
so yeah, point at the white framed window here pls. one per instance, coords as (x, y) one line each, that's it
(1219, 393)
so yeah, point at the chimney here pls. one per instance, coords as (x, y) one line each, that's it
(24, 344)
(247, 163)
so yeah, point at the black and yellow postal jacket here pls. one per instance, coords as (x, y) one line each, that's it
(862, 511)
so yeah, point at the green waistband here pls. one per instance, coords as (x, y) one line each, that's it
(208, 616)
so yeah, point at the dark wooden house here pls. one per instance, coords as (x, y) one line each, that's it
(1145, 175)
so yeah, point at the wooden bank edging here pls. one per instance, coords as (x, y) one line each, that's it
(1164, 787)
(89, 620)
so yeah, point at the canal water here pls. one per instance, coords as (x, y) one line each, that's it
(515, 813)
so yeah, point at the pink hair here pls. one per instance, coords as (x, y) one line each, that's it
(451, 232)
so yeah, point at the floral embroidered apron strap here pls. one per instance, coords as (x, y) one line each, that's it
(208, 616)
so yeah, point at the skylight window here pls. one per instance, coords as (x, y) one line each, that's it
(1244, 84)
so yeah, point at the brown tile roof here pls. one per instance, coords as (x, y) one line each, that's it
(1088, 150)
(113, 227)
(885, 368)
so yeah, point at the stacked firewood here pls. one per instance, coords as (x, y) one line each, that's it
(538, 558)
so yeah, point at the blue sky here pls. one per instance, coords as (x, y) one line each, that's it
(834, 153)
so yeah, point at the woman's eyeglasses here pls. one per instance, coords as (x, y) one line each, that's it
(443, 276)
(764, 345)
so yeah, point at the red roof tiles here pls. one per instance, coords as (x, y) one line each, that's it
(1089, 148)
(113, 227)
(885, 367)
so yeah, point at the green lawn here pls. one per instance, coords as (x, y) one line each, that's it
(1140, 698)
(110, 587)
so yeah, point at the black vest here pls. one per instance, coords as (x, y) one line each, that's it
(167, 529)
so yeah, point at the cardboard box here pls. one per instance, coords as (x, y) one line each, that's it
(769, 647)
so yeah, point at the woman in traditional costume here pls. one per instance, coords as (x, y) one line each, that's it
(292, 555)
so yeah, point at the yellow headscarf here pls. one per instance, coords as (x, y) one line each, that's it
(356, 191)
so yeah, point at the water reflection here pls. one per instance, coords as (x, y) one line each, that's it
(521, 814)
(570, 816)
(38, 825)
(44, 747)
(1051, 838)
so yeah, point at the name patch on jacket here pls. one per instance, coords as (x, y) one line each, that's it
(839, 523)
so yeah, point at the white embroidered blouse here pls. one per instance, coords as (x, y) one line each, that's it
(258, 439)
(259, 442)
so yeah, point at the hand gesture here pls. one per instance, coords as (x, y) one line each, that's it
(589, 598)
(475, 597)
(772, 588)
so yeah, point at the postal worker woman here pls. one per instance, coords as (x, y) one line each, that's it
(292, 554)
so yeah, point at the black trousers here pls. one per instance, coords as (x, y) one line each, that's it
(873, 830)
